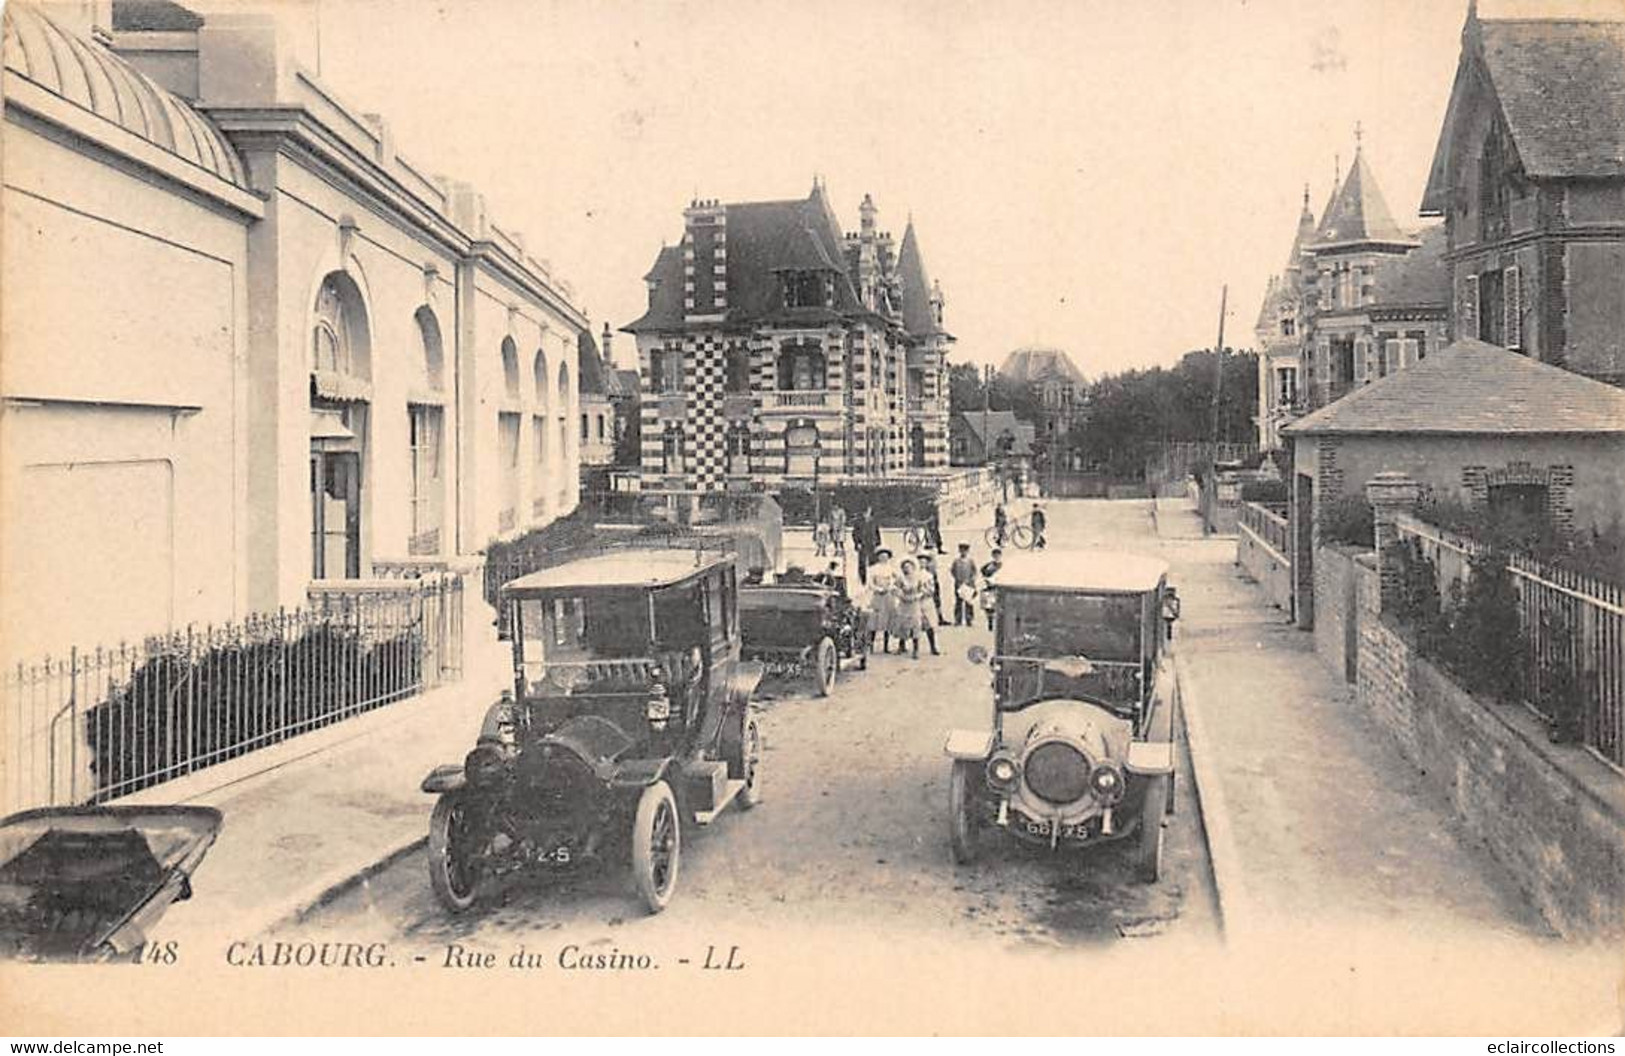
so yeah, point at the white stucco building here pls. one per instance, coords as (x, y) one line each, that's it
(247, 344)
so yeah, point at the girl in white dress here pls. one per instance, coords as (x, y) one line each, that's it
(883, 589)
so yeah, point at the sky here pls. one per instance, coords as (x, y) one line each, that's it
(1081, 174)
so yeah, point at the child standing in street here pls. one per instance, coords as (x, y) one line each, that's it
(909, 590)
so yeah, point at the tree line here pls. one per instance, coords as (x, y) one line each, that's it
(1119, 420)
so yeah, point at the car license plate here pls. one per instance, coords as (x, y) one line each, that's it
(1043, 827)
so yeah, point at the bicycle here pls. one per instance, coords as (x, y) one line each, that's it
(1017, 535)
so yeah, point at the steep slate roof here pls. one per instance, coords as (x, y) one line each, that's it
(666, 299)
(1474, 389)
(628, 381)
(1419, 279)
(998, 423)
(919, 316)
(94, 79)
(589, 365)
(798, 234)
(1358, 212)
(1560, 84)
(1032, 363)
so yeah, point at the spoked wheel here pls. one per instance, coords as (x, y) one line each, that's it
(995, 539)
(1021, 536)
(657, 843)
(748, 767)
(826, 662)
(1148, 849)
(913, 539)
(457, 874)
(965, 824)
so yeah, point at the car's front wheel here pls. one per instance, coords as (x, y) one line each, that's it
(657, 845)
(965, 823)
(1148, 850)
(826, 663)
(458, 872)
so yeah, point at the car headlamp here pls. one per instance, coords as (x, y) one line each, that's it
(1106, 782)
(658, 709)
(1002, 771)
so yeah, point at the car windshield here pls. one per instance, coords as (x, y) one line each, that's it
(1056, 625)
(605, 641)
(1075, 645)
(601, 625)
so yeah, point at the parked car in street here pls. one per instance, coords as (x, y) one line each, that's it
(1079, 747)
(89, 883)
(629, 722)
(803, 625)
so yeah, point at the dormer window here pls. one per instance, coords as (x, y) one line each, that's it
(1493, 191)
(806, 289)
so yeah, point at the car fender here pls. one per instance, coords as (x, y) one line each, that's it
(446, 778)
(638, 773)
(1150, 758)
(742, 683)
(969, 744)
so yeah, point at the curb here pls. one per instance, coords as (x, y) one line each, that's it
(1235, 907)
(324, 891)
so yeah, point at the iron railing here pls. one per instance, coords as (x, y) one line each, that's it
(101, 723)
(1572, 629)
(1268, 524)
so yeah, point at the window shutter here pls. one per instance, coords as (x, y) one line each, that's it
(1512, 287)
(1469, 307)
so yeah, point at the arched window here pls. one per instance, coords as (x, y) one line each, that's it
(510, 369)
(562, 405)
(339, 341)
(666, 371)
(425, 432)
(538, 377)
(433, 349)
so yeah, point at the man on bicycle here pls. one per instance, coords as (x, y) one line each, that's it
(1038, 523)
(1001, 523)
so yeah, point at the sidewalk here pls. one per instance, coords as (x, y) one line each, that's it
(1314, 816)
(309, 815)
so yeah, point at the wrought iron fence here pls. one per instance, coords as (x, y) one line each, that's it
(101, 723)
(1572, 629)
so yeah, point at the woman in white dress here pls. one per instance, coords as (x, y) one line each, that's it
(883, 590)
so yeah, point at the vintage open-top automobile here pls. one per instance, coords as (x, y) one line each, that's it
(803, 624)
(1080, 747)
(630, 718)
(89, 883)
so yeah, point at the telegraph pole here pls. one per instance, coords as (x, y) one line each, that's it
(1218, 369)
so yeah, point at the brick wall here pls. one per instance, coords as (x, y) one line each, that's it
(1552, 814)
(1337, 616)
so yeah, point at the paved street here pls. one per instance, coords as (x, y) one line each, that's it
(853, 828)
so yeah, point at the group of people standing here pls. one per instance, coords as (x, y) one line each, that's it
(904, 598)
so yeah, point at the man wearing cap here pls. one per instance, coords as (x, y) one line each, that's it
(989, 598)
(963, 571)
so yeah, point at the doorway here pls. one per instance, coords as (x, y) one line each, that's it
(335, 496)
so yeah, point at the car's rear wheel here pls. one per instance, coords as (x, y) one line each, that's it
(457, 872)
(657, 846)
(826, 663)
(965, 823)
(1148, 849)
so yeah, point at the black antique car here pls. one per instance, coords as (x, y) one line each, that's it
(89, 883)
(630, 719)
(803, 625)
(1080, 747)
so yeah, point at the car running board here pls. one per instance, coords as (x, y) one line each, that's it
(729, 791)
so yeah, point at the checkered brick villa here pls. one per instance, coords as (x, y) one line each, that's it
(777, 350)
